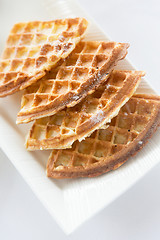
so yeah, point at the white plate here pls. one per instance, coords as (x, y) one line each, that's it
(70, 202)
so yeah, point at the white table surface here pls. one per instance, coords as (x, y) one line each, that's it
(135, 214)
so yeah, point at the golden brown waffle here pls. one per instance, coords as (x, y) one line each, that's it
(34, 47)
(84, 70)
(108, 149)
(70, 124)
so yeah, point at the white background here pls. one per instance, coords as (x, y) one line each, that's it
(134, 215)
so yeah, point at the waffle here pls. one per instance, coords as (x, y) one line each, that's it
(84, 70)
(78, 122)
(109, 148)
(34, 47)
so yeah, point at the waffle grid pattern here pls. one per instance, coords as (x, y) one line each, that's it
(68, 81)
(104, 143)
(33, 47)
(67, 122)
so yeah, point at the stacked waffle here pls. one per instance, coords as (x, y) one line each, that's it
(85, 111)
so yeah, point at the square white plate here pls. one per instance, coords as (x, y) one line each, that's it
(70, 202)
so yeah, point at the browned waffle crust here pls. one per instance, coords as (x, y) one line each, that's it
(34, 47)
(81, 73)
(108, 149)
(70, 124)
